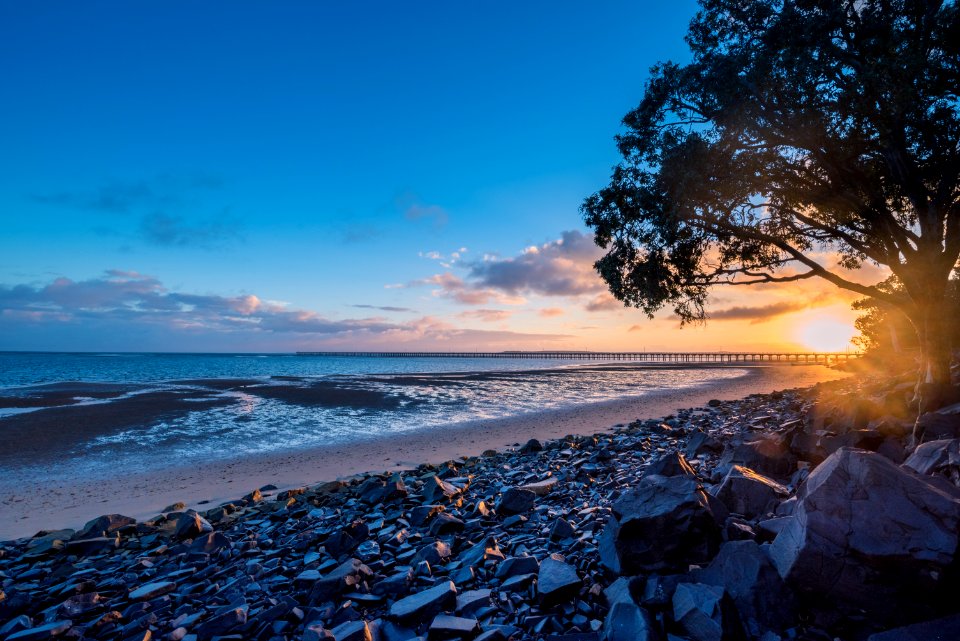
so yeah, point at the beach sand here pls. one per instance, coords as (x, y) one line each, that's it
(28, 505)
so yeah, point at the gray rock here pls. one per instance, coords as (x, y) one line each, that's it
(445, 626)
(541, 488)
(47, 631)
(533, 445)
(934, 456)
(352, 631)
(704, 612)
(424, 604)
(472, 600)
(663, 523)
(152, 590)
(103, 526)
(557, 581)
(626, 621)
(343, 578)
(223, 622)
(515, 565)
(862, 520)
(942, 424)
(516, 501)
(768, 455)
(758, 592)
(672, 464)
(746, 492)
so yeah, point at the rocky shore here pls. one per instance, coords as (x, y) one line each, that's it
(796, 515)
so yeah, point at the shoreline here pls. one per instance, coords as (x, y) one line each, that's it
(29, 507)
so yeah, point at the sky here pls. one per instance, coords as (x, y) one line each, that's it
(247, 176)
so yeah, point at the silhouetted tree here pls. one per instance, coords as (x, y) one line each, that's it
(803, 133)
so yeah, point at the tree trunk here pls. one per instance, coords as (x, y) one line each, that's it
(934, 388)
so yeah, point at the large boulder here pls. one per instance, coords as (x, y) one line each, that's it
(935, 456)
(744, 570)
(746, 492)
(943, 629)
(942, 424)
(868, 533)
(104, 526)
(666, 522)
(627, 621)
(768, 455)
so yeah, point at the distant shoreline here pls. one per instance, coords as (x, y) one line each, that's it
(29, 506)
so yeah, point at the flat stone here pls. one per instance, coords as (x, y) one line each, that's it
(541, 488)
(47, 631)
(515, 565)
(557, 581)
(445, 626)
(626, 621)
(426, 603)
(152, 590)
(352, 631)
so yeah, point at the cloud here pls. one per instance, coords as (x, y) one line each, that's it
(760, 313)
(604, 302)
(455, 288)
(165, 230)
(414, 209)
(549, 312)
(384, 308)
(132, 311)
(487, 315)
(636, 328)
(563, 267)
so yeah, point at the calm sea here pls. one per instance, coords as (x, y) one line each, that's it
(290, 401)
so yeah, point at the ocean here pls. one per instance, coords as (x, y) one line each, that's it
(99, 410)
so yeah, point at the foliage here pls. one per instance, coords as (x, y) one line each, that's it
(804, 138)
(884, 330)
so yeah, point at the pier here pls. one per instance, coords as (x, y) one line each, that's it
(645, 357)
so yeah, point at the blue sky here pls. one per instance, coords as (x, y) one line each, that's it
(327, 159)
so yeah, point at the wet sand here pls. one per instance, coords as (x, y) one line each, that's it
(28, 505)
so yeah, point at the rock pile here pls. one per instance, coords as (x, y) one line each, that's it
(757, 519)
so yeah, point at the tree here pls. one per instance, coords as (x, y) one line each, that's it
(801, 130)
(886, 332)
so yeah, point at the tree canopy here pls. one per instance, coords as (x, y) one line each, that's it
(804, 138)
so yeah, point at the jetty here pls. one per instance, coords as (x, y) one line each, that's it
(645, 357)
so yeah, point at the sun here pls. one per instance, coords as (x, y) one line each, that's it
(826, 334)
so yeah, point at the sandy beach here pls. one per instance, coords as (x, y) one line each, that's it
(28, 506)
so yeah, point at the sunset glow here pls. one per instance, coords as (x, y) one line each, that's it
(827, 334)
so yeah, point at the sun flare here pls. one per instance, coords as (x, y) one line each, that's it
(826, 334)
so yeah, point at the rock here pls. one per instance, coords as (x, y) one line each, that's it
(103, 526)
(93, 546)
(434, 554)
(862, 520)
(424, 604)
(705, 612)
(516, 565)
(557, 581)
(445, 626)
(343, 578)
(935, 456)
(745, 492)
(445, 524)
(533, 445)
(758, 592)
(541, 488)
(352, 631)
(472, 600)
(939, 425)
(702, 443)
(189, 524)
(943, 629)
(663, 523)
(222, 623)
(626, 621)
(210, 543)
(435, 490)
(516, 501)
(673, 464)
(561, 529)
(47, 631)
(714, 402)
(767, 455)
(179, 506)
(152, 590)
